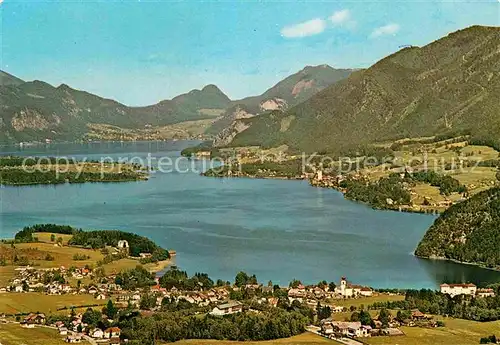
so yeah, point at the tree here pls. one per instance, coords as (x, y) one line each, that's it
(241, 279)
(147, 302)
(91, 316)
(365, 318)
(323, 312)
(323, 284)
(111, 310)
(295, 283)
(52, 238)
(332, 286)
(384, 317)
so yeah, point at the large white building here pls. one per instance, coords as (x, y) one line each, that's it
(347, 290)
(458, 289)
(231, 307)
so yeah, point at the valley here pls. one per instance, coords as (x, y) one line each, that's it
(271, 199)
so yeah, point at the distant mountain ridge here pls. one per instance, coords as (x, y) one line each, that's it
(35, 110)
(287, 93)
(296, 88)
(9, 79)
(449, 85)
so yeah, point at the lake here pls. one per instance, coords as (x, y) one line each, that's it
(276, 229)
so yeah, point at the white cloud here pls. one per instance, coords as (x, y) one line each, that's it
(309, 28)
(389, 29)
(340, 17)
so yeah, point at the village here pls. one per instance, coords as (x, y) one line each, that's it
(215, 301)
(340, 311)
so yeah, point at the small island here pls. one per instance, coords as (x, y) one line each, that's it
(21, 171)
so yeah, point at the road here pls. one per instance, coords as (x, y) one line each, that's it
(345, 341)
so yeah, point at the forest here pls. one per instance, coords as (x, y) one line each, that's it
(468, 231)
(96, 239)
(22, 177)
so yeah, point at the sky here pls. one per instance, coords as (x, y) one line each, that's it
(141, 52)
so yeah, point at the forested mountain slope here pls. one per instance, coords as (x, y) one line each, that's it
(450, 85)
(34, 111)
(287, 93)
(468, 231)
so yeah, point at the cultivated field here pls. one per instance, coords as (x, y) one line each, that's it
(366, 301)
(36, 253)
(11, 303)
(455, 332)
(302, 339)
(46, 237)
(14, 334)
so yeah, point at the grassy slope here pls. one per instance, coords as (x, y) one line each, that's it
(12, 303)
(302, 339)
(455, 332)
(13, 334)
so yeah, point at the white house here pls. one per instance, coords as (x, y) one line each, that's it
(112, 332)
(366, 292)
(231, 307)
(347, 290)
(458, 289)
(123, 244)
(352, 329)
(485, 293)
(100, 296)
(73, 338)
(96, 333)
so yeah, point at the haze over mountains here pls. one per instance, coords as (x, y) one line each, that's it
(450, 85)
(35, 111)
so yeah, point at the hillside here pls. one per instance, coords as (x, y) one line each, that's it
(468, 231)
(35, 111)
(450, 85)
(289, 92)
(296, 88)
(9, 79)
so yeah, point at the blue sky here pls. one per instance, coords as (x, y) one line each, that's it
(139, 52)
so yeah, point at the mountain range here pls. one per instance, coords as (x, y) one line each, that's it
(35, 111)
(450, 85)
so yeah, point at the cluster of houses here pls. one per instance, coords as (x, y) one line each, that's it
(76, 330)
(342, 291)
(200, 298)
(465, 289)
(30, 279)
(340, 329)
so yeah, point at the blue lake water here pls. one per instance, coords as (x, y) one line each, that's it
(276, 229)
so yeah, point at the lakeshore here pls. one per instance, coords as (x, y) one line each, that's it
(197, 215)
